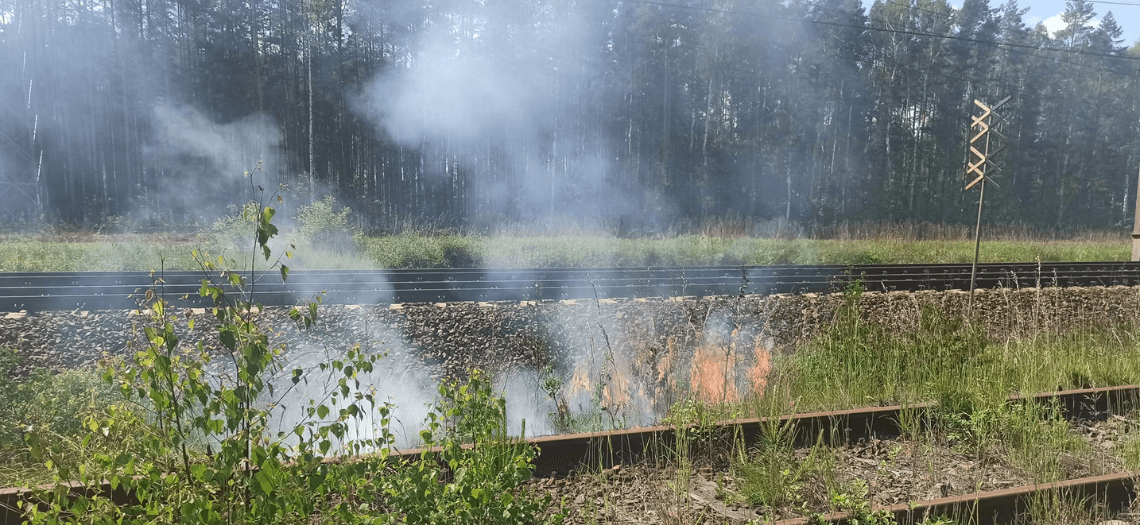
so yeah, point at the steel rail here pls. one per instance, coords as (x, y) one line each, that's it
(121, 290)
(562, 454)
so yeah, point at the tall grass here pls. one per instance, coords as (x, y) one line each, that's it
(522, 248)
(857, 363)
(952, 363)
(51, 404)
(36, 256)
(925, 231)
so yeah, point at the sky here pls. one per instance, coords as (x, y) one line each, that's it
(1049, 12)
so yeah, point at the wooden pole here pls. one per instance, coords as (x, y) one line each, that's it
(1136, 224)
(977, 246)
(978, 225)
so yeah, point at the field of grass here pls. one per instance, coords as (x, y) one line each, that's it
(456, 251)
(321, 236)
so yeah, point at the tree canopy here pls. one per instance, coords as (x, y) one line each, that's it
(473, 113)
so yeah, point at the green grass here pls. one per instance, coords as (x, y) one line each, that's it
(53, 405)
(952, 363)
(453, 251)
(39, 256)
(35, 256)
(855, 363)
(967, 375)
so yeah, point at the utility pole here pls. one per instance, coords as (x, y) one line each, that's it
(984, 124)
(1136, 220)
(1136, 225)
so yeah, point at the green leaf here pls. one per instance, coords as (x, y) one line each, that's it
(322, 411)
(284, 272)
(228, 339)
(264, 482)
(316, 479)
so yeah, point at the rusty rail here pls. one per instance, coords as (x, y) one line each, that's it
(1112, 492)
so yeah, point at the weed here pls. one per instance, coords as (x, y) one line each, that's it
(484, 468)
(770, 476)
(937, 520)
(234, 231)
(856, 503)
(1128, 449)
(1058, 507)
(1038, 438)
(46, 404)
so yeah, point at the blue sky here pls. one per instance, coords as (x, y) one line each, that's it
(1049, 12)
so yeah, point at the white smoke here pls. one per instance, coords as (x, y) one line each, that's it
(488, 84)
(229, 150)
(211, 166)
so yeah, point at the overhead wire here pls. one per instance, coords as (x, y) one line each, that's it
(1024, 53)
(1113, 3)
(888, 30)
(896, 67)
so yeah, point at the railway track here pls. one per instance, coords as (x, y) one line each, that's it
(559, 455)
(119, 290)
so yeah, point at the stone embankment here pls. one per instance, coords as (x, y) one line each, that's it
(627, 352)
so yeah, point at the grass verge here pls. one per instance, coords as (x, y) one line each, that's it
(350, 250)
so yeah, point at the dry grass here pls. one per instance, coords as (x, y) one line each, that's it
(925, 231)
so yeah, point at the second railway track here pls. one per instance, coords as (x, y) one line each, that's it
(593, 452)
(42, 291)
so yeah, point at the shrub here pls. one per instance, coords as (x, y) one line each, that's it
(235, 229)
(483, 466)
(326, 229)
(50, 405)
(203, 453)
